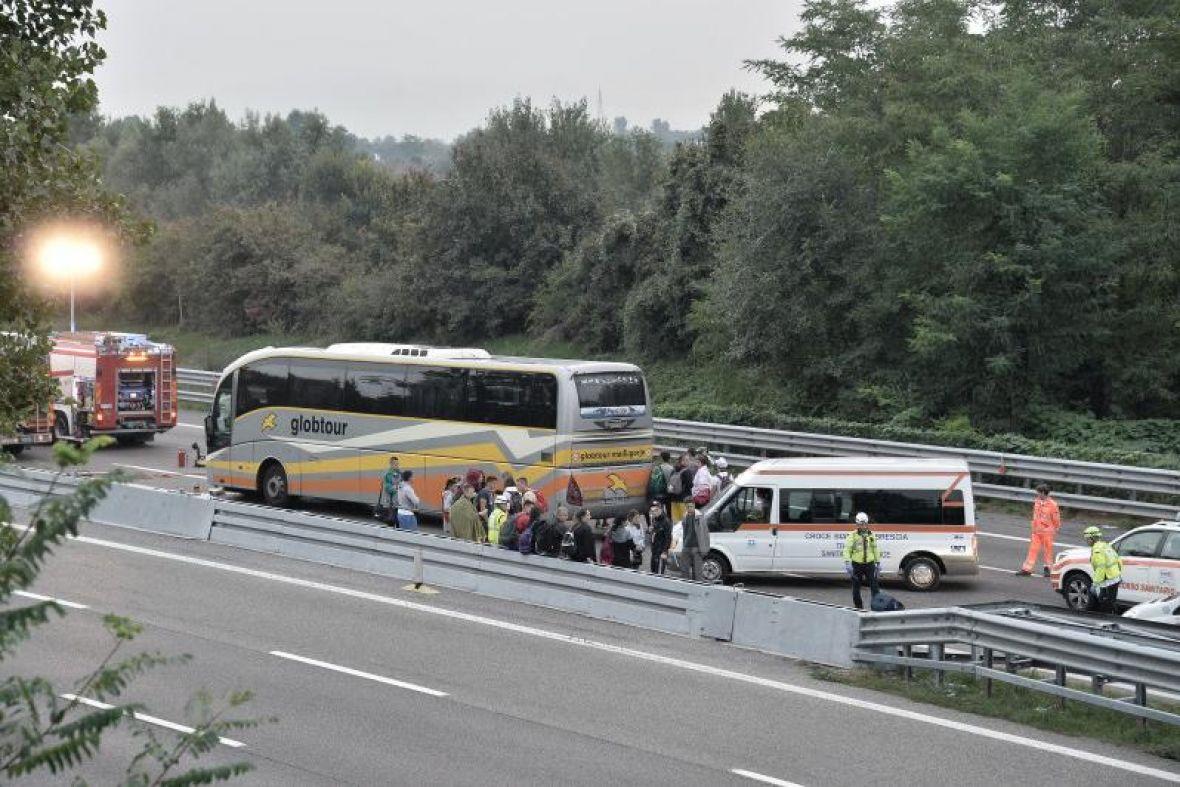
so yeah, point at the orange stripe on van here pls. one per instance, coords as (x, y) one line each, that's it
(850, 528)
(890, 473)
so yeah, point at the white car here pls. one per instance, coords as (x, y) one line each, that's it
(1151, 567)
(1166, 610)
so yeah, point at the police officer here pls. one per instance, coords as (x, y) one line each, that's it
(862, 559)
(1106, 568)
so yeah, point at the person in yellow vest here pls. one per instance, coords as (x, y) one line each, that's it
(496, 518)
(862, 559)
(1107, 570)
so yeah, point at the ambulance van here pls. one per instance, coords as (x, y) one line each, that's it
(791, 516)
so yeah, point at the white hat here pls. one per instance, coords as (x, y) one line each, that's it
(501, 499)
(510, 490)
(530, 497)
(721, 463)
(862, 518)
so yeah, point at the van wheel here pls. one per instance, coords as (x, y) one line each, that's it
(1075, 589)
(715, 569)
(272, 485)
(922, 574)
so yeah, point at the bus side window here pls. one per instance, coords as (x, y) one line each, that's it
(262, 385)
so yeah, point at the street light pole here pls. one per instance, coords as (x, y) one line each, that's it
(73, 279)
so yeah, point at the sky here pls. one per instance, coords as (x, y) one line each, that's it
(435, 68)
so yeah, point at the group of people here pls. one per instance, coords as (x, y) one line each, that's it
(695, 478)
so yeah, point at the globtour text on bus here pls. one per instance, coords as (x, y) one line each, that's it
(317, 425)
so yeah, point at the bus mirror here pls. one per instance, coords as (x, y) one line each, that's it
(209, 429)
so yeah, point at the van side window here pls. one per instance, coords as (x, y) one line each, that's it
(794, 505)
(749, 505)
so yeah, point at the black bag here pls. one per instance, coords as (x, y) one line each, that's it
(384, 509)
(569, 544)
(883, 602)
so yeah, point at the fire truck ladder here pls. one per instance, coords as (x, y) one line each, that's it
(167, 384)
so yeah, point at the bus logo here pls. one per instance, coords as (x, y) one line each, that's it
(269, 422)
(616, 488)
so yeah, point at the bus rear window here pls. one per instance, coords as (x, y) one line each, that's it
(611, 390)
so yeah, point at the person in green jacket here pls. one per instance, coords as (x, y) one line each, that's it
(1107, 571)
(497, 517)
(465, 522)
(391, 482)
(862, 559)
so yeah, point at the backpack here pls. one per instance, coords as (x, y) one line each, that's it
(569, 544)
(657, 485)
(542, 503)
(508, 532)
(515, 504)
(675, 484)
(524, 541)
(883, 602)
(543, 537)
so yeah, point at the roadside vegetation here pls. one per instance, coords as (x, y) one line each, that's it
(963, 693)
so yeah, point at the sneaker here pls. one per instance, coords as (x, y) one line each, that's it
(1023, 573)
(1045, 571)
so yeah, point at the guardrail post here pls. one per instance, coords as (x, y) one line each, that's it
(908, 652)
(936, 653)
(1060, 682)
(988, 661)
(417, 569)
(1141, 699)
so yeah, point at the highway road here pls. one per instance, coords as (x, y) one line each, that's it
(1003, 537)
(372, 684)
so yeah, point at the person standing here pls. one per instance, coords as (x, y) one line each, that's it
(390, 481)
(1106, 571)
(1046, 521)
(660, 532)
(407, 503)
(696, 542)
(583, 538)
(497, 518)
(465, 522)
(862, 559)
(448, 498)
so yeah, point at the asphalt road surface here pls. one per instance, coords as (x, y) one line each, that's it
(1003, 538)
(372, 684)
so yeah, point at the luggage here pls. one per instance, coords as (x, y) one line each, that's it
(883, 602)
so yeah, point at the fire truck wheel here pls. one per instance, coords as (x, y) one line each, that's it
(14, 450)
(272, 485)
(131, 439)
(61, 427)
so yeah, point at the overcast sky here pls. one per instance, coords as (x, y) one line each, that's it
(435, 68)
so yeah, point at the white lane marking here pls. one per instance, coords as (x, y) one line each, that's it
(190, 426)
(760, 777)
(688, 666)
(159, 470)
(171, 725)
(356, 673)
(1025, 539)
(1001, 570)
(39, 597)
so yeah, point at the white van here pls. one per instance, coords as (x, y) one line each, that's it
(791, 516)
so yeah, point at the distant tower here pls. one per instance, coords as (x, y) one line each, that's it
(601, 110)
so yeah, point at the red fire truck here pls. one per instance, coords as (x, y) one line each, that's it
(118, 384)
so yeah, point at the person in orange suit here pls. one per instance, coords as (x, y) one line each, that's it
(1046, 521)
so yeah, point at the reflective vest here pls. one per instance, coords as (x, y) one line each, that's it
(495, 520)
(861, 548)
(1106, 563)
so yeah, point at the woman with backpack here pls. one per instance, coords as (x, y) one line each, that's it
(621, 544)
(579, 548)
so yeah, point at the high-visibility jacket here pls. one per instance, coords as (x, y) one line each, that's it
(1046, 516)
(861, 548)
(495, 520)
(1106, 564)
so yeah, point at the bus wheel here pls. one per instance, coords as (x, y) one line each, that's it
(715, 568)
(1076, 590)
(922, 574)
(272, 485)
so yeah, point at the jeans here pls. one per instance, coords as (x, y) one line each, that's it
(863, 572)
(407, 520)
(692, 563)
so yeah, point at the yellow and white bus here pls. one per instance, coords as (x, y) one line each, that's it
(298, 421)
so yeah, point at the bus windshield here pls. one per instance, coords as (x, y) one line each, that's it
(611, 393)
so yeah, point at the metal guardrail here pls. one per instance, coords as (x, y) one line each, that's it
(1096, 649)
(744, 445)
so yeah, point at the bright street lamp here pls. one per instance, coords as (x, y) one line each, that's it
(70, 257)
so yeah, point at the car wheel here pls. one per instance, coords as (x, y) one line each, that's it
(1076, 591)
(922, 574)
(715, 568)
(273, 486)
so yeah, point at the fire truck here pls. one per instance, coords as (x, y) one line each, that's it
(118, 384)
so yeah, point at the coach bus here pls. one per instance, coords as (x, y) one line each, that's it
(323, 423)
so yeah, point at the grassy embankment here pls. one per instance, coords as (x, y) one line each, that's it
(963, 693)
